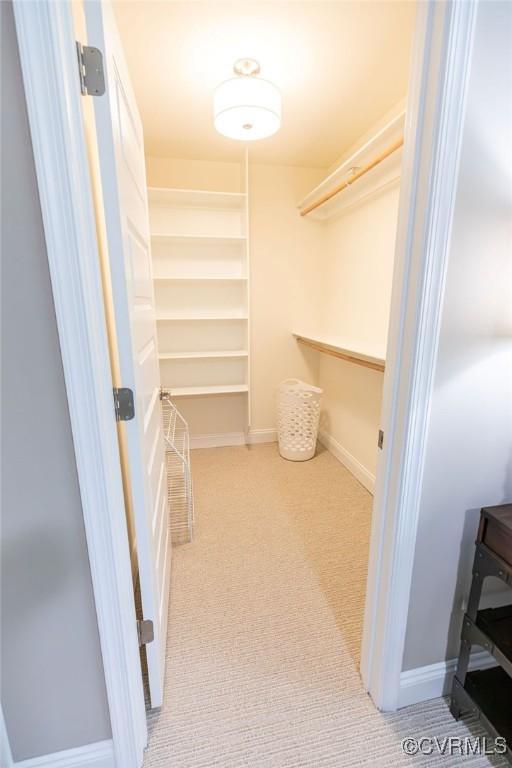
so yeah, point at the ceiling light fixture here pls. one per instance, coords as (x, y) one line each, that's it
(246, 107)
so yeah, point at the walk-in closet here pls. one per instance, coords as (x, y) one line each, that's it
(265, 141)
(273, 139)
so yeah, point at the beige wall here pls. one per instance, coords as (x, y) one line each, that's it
(357, 268)
(286, 268)
(178, 173)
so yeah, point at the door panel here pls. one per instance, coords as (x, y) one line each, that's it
(121, 153)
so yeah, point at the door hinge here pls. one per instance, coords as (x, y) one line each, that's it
(380, 441)
(123, 404)
(145, 631)
(90, 69)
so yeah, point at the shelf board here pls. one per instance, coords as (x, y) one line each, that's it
(190, 279)
(490, 693)
(344, 352)
(203, 355)
(175, 317)
(219, 389)
(174, 237)
(496, 624)
(196, 198)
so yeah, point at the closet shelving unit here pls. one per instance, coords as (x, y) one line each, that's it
(201, 277)
(372, 167)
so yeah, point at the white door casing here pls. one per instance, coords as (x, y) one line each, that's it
(434, 123)
(123, 175)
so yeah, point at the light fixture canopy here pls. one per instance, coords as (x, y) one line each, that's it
(246, 107)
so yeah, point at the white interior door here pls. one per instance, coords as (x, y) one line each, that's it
(123, 175)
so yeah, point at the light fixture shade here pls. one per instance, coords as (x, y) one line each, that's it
(247, 108)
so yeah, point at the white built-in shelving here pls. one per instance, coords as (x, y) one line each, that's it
(201, 280)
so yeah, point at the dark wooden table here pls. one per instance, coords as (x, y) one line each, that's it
(487, 693)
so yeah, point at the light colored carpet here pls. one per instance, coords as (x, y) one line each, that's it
(265, 626)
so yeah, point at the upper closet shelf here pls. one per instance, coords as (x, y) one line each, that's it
(195, 198)
(342, 351)
(372, 167)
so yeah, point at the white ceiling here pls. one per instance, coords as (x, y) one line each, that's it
(340, 66)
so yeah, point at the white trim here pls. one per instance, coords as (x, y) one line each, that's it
(435, 680)
(97, 755)
(49, 66)
(262, 436)
(5, 748)
(433, 135)
(221, 440)
(354, 466)
(225, 439)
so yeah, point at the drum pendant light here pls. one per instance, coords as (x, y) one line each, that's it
(246, 107)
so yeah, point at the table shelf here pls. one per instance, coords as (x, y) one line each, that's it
(488, 693)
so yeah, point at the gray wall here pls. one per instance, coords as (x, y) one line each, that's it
(469, 455)
(53, 689)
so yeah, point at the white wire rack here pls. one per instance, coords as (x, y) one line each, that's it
(179, 478)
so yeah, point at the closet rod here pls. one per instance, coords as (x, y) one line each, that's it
(346, 355)
(361, 172)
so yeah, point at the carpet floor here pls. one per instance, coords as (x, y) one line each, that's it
(265, 627)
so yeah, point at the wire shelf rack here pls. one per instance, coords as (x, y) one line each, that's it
(179, 477)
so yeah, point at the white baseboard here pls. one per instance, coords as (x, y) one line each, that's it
(435, 680)
(97, 755)
(262, 436)
(217, 441)
(233, 438)
(354, 466)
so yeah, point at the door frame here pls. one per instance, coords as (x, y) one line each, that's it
(433, 135)
(440, 69)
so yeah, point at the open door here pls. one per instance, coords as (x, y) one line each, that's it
(123, 178)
